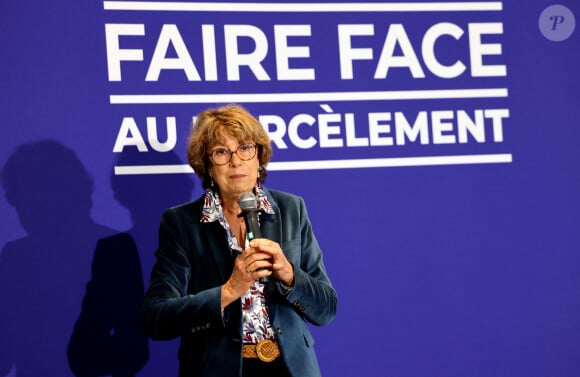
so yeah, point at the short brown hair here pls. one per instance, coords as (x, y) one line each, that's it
(209, 129)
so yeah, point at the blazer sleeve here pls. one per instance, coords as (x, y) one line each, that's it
(169, 310)
(312, 295)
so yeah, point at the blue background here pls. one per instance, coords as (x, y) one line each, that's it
(451, 271)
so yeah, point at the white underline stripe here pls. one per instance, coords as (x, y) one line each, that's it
(391, 162)
(306, 97)
(152, 169)
(336, 164)
(303, 7)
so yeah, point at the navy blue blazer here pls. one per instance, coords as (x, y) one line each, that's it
(194, 260)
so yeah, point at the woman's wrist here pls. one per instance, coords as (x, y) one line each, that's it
(288, 279)
(227, 294)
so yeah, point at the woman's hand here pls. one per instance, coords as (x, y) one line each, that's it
(268, 255)
(263, 258)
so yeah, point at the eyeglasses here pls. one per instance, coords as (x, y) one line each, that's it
(222, 156)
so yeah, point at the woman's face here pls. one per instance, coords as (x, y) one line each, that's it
(237, 175)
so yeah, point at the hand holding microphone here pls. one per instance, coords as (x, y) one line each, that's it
(276, 261)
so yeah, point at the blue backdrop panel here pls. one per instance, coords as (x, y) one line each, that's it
(435, 144)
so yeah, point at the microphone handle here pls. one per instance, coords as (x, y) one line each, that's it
(253, 231)
(252, 225)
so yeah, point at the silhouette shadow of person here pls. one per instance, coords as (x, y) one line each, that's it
(146, 196)
(43, 275)
(107, 337)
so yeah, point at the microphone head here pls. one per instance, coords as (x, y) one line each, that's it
(247, 201)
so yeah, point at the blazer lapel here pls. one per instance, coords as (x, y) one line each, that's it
(219, 250)
(271, 228)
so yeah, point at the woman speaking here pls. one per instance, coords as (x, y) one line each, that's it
(239, 302)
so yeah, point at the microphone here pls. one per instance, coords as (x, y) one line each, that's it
(249, 205)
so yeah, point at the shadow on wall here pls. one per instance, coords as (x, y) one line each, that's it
(146, 197)
(43, 275)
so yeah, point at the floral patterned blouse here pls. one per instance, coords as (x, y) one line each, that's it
(256, 322)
